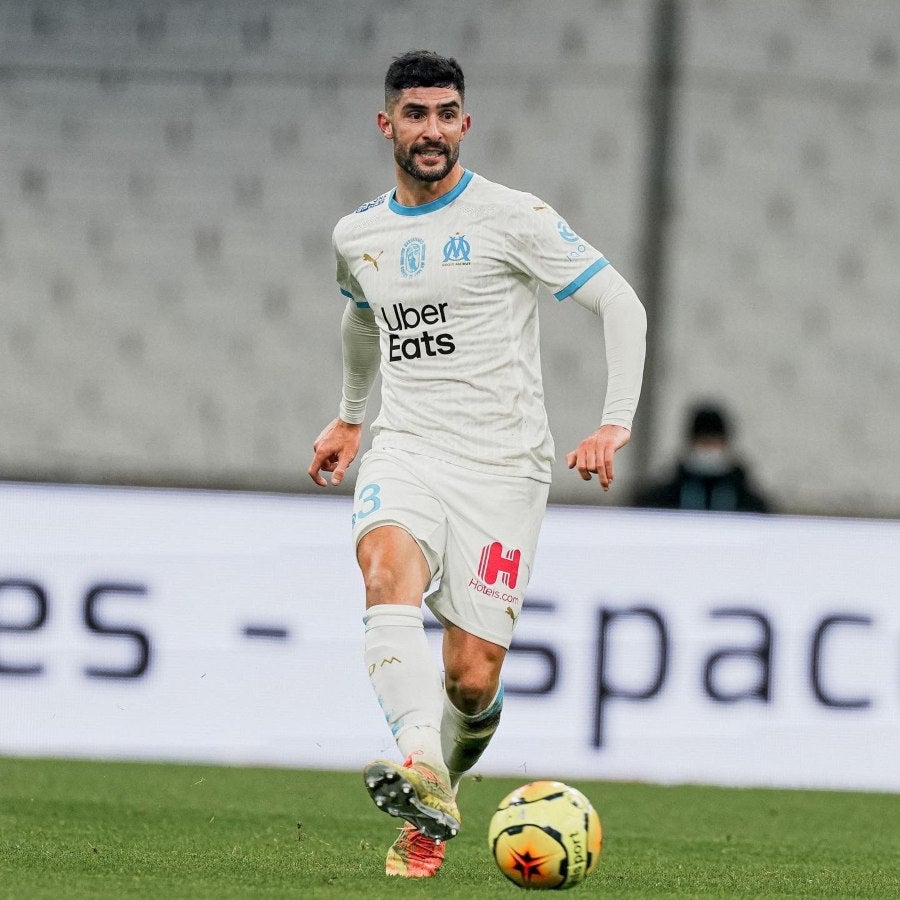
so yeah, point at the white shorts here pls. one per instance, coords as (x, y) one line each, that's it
(478, 533)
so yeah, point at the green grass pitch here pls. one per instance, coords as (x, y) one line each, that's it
(118, 830)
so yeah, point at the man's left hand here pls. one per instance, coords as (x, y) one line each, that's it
(595, 453)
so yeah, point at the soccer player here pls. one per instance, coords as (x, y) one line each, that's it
(442, 277)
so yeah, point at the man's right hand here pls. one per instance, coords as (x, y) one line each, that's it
(335, 448)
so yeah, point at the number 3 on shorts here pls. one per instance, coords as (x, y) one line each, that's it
(369, 501)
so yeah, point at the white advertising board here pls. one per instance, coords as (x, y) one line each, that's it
(666, 647)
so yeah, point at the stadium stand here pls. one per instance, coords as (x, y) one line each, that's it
(171, 173)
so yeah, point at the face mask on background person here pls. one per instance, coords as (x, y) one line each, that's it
(709, 461)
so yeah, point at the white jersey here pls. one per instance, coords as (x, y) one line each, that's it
(453, 285)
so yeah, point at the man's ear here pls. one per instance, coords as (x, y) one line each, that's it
(384, 125)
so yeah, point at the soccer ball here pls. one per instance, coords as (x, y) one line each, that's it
(545, 835)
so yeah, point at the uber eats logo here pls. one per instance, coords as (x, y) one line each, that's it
(401, 318)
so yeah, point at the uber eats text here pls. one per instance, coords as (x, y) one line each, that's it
(400, 318)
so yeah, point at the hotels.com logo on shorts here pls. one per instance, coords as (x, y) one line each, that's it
(496, 563)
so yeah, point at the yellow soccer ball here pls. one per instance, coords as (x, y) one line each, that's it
(545, 836)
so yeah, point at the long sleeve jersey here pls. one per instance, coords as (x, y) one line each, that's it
(446, 296)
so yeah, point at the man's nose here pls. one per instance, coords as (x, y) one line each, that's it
(432, 128)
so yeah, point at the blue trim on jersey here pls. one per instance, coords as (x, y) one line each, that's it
(582, 279)
(434, 205)
(360, 304)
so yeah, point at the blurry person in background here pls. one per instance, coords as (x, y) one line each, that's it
(708, 476)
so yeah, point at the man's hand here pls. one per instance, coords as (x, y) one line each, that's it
(335, 448)
(595, 453)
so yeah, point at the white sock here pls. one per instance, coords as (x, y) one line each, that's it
(464, 738)
(406, 679)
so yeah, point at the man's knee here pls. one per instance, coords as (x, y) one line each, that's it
(392, 565)
(472, 688)
(382, 584)
(471, 669)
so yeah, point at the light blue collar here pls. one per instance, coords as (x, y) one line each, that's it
(434, 205)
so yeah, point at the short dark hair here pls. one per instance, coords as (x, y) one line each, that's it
(422, 68)
(708, 422)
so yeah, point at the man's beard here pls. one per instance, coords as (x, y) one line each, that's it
(407, 162)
